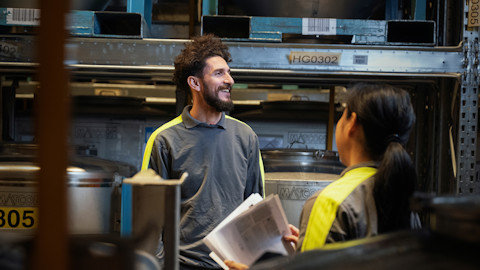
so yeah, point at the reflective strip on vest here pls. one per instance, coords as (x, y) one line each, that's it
(324, 210)
(151, 140)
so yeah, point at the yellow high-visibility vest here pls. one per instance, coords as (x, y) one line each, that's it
(324, 210)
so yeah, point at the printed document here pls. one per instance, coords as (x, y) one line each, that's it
(253, 228)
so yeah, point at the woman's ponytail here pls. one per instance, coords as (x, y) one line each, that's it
(394, 185)
(387, 117)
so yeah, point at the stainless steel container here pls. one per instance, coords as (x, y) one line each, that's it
(294, 188)
(301, 160)
(296, 174)
(151, 214)
(93, 186)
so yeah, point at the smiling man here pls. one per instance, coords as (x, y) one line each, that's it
(220, 154)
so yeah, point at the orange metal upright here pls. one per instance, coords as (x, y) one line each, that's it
(52, 120)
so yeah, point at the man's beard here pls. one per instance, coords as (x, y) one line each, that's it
(212, 99)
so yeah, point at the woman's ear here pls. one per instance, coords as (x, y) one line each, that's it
(194, 83)
(353, 124)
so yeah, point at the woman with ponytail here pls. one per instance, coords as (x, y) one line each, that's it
(372, 196)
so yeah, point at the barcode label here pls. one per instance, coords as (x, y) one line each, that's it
(23, 16)
(315, 26)
(360, 59)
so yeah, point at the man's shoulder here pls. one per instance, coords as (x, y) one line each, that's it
(238, 123)
(172, 123)
(167, 127)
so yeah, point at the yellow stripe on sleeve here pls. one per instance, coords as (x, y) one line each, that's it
(151, 140)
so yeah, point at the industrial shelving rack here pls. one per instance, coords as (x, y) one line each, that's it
(444, 79)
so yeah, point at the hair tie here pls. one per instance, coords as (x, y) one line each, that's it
(392, 138)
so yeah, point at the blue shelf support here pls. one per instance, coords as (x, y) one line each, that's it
(144, 7)
(420, 10)
(391, 10)
(210, 7)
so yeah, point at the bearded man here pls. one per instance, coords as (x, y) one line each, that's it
(220, 154)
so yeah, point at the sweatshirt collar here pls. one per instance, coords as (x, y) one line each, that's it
(191, 122)
(372, 164)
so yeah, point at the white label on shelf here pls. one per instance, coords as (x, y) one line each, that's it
(360, 59)
(315, 26)
(23, 16)
(314, 58)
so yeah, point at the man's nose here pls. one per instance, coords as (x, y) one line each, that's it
(229, 79)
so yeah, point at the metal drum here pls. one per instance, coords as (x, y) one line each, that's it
(94, 191)
(296, 174)
(301, 160)
(294, 188)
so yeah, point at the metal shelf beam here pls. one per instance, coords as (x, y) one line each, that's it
(153, 59)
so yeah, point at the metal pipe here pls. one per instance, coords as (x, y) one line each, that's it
(192, 8)
(331, 118)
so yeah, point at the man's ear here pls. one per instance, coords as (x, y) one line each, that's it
(194, 83)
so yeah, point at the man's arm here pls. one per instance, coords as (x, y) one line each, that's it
(159, 160)
(256, 176)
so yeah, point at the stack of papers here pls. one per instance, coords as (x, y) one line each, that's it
(255, 227)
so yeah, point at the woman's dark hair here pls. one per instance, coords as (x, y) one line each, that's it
(386, 115)
(191, 61)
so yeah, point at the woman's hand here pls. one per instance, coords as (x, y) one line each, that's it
(235, 266)
(293, 238)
